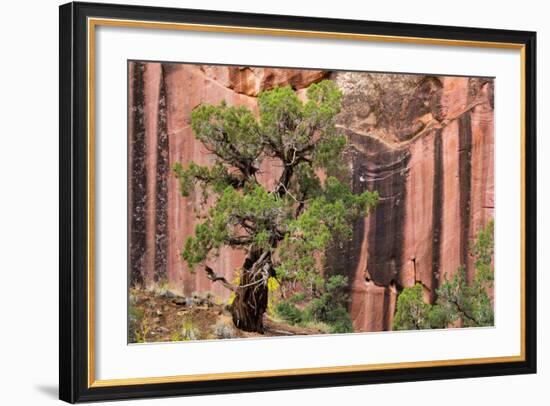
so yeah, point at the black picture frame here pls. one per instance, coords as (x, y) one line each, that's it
(74, 385)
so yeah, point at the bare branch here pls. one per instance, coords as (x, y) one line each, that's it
(214, 277)
(239, 240)
(290, 194)
(464, 312)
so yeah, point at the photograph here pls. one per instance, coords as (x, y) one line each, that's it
(282, 201)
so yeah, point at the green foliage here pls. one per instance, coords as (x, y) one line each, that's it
(470, 302)
(218, 177)
(137, 324)
(412, 312)
(329, 216)
(330, 307)
(457, 300)
(231, 133)
(301, 216)
(290, 312)
(339, 321)
(236, 219)
(286, 122)
(297, 297)
(439, 317)
(483, 250)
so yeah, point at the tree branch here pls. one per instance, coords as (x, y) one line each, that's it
(239, 241)
(464, 312)
(243, 163)
(214, 277)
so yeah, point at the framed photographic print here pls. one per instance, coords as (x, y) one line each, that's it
(257, 202)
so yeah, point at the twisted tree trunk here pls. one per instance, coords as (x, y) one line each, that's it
(251, 295)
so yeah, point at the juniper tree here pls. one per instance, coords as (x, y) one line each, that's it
(412, 312)
(469, 302)
(457, 300)
(284, 230)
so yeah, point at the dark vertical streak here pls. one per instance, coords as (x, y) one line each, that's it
(437, 213)
(384, 170)
(137, 178)
(465, 181)
(387, 176)
(386, 318)
(162, 171)
(342, 257)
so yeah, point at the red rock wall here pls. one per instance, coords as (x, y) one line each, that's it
(425, 143)
(181, 88)
(435, 180)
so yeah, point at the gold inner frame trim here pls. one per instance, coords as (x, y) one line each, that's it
(94, 22)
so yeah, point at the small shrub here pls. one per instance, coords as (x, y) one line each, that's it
(137, 325)
(457, 300)
(273, 286)
(161, 288)
(289, 312)
(297, 297)
(339, 321)
(330, 308)
(209, 299)
(189, 332)
(176, 336)
(412, 312)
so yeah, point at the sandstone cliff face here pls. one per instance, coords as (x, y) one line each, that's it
(425, 143)
(162, 97)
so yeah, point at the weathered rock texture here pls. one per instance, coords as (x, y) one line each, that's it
(425, 143)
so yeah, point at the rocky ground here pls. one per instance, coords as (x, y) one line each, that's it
(162, 317)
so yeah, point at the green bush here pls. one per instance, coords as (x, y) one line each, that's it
(339, 320)
(412, 313)
(289, 312)
(330, 307)
(297, 297)
(457, 300)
